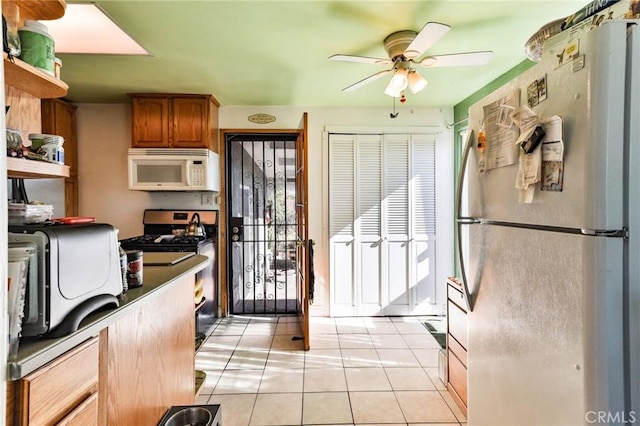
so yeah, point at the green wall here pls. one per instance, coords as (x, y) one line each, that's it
(460, 111)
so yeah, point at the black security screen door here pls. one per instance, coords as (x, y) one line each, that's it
(262, 223)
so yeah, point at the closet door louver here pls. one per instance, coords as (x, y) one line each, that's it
(396, 214)
(368, 219)
(341, 198)
(423, 182)
(341, 223)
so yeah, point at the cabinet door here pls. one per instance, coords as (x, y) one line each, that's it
(59, 118)
(160, 349)
(150, 127)
(190, 122)
(71, 197)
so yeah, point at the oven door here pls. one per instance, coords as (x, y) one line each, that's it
(207, 311)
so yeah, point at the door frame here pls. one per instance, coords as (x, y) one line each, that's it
(222, 222)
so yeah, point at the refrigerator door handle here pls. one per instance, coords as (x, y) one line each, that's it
(461, 173)
(467, 220)
(620, 233)
(464, 220)
(465, 286)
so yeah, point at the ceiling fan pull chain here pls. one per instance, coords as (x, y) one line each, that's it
(394, 114)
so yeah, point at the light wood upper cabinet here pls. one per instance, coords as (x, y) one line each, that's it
(150, 122)
(174, 121)
(191, 123)
(59, 118)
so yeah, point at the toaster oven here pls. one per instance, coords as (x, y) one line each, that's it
(73, 272)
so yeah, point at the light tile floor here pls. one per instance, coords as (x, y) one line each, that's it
(359, 371)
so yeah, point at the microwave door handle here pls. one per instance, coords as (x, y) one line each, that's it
(188, 171)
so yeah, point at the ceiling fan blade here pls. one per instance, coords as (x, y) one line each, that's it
(367, 80)
(457, 59)
(363, 59)
(427, 37)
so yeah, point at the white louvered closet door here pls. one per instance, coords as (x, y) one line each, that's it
(382, 224)
(341, 224)
(422, 205)
(395, 205)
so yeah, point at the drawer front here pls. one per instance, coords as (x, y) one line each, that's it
(457, 350)
(458, 377)
(85, 414)
(57, 388)
(456, 296)
(457, 323)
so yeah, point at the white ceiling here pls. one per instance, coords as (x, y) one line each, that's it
(276, 52)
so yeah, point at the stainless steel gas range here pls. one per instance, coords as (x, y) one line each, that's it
(165, 231)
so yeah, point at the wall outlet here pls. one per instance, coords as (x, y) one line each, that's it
(206, 199)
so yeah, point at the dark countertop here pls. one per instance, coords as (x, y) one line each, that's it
(34, 352)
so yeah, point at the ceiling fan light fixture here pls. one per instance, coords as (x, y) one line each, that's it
(400, 79)
(392, 91)
(416, 82)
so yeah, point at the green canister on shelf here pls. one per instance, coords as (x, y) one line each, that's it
(37, 46)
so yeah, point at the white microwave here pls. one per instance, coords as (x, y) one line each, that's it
(173, 169)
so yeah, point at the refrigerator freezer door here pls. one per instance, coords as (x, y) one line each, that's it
(591, 103)
(526, 360)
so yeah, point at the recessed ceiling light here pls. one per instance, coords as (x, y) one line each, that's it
(86, 28)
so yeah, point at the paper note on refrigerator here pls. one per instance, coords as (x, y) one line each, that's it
(552, 155)
(501, 133)
(528, 175)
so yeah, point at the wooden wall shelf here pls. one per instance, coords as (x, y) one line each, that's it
(29, 79)
(32, 169)
(41, 9)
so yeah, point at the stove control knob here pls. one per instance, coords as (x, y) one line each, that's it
(235, 237)
(235, 229)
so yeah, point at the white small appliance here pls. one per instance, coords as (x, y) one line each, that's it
(169, 169)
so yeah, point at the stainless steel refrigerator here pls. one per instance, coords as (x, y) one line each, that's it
(553, 285)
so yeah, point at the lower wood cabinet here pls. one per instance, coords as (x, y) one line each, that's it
(130, 374)
(64, 391)
(457, 344)
(148, 359)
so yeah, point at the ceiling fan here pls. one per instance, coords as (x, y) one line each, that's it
(404, 48)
